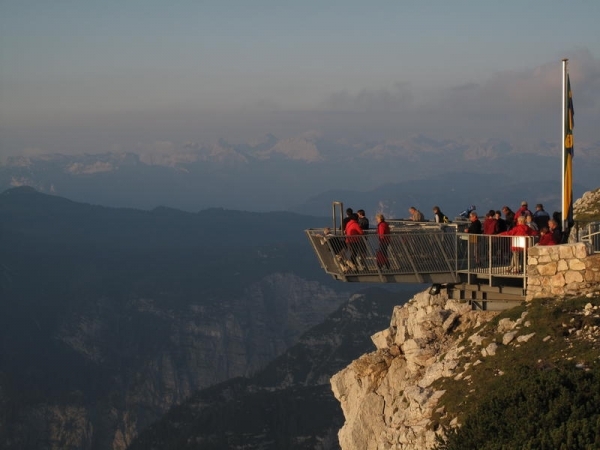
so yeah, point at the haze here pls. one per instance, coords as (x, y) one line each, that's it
(89, 77)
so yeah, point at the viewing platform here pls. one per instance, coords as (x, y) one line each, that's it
(478, 268)
(489, 271)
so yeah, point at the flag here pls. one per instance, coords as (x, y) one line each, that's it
(568, 157)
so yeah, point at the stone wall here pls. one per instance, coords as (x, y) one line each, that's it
(562, 270)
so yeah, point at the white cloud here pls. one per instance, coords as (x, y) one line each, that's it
(367, 100)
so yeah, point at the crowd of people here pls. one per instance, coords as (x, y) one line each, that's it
(523, 222)
(352, 251)
(520, 224)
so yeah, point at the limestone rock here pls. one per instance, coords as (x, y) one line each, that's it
(387, 395)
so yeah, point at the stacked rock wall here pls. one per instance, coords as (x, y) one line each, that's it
(562, 270)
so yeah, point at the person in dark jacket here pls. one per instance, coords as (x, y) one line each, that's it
(346, 219)
(474, 227)
(501, 222)
(509, 217)
(540, 217)
(555, 230)
(439, 216)
(362, 219)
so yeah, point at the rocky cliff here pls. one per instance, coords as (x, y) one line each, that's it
(438, 354)
(112, 369)
(588, 206)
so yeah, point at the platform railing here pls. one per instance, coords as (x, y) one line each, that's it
(589, 232)
(421, 254)
(414, 252)
(493, 256)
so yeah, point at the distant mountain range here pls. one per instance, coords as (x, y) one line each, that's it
(306, 173)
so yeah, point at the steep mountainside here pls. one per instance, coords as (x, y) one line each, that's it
(108, 317)
(287, 405)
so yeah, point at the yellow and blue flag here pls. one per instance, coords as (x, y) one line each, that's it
(568, 156)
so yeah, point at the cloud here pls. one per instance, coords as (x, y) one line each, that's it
(370, 100)
(509, 104)
(466, 87)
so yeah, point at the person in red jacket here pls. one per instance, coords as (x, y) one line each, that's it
(522, 211)
(546, 237)
(354, 241)
(490, 224)
(519, 242)
(383, 232)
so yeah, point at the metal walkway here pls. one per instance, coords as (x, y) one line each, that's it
(478, 268)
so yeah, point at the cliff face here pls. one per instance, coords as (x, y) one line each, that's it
(125, 365)
(286, 405)
(387, 396)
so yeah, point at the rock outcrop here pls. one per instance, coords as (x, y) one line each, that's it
(387, 396)
(588, 206)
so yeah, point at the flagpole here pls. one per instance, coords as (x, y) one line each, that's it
(562, 139)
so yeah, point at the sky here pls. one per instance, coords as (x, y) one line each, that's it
(94, 76)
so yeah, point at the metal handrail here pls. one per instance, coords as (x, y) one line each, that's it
(399, 252)
(420, 251)
(494, 256)
(588, 232)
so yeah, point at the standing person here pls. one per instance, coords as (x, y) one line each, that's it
(501, 222)
(540, 216)
(502, 247)
(474, 225)
(383, 232)
(519, 243)
(522, 211)
(416, 215)
(509, 217)
(474, 228)
(362, 219)
(490, 224)
(439, 216)
(346, 219)
(354, 241)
